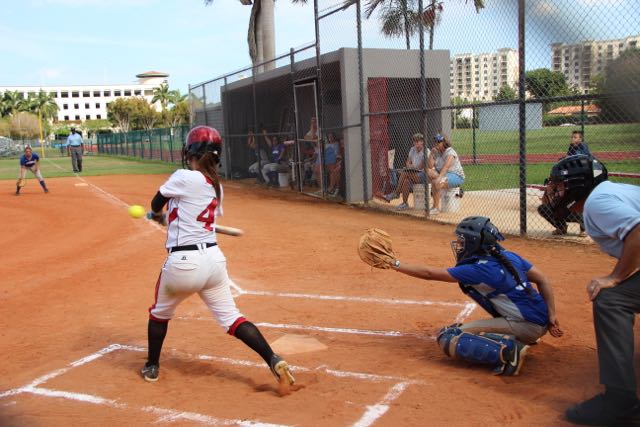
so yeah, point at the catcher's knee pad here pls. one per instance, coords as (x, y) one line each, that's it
(488, 349)
(445, 337)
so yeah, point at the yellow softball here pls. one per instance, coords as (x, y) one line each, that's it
(136, 211)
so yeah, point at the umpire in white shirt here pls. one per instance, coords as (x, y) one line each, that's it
(75, 146)
(612, 219)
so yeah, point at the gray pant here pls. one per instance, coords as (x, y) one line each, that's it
(614, 311)
(76, 158)
(524, 331)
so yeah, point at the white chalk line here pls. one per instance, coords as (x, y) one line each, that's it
(466, 312)
(374, 412)
(170, 415)
(390, 301)
(353, 331)
(107, 194)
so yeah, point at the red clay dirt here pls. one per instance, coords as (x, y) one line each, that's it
(78, 275)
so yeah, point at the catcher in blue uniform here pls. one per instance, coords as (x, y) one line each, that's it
(499, 281)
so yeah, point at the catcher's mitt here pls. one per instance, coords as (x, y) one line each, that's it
(375, 249)
(21, 182)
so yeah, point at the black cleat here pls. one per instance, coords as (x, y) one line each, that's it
(150, 373)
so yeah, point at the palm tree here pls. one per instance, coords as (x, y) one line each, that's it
(43, 104)
(401, 17)
(261, 32)
(162, 94)
(175, 97)
(12, 102)
(398, 17)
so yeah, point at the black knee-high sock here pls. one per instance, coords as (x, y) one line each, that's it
(249, 334)
(43, 185)
(156, 333)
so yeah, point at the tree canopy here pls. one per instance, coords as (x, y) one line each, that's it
(544, 83)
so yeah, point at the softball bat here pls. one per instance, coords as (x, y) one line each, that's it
(230, 231)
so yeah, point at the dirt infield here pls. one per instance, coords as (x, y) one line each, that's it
(78, 276)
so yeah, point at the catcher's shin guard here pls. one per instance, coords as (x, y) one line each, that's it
(502, 352)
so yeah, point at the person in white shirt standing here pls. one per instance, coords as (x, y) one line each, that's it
(75, 146)
(195, 263)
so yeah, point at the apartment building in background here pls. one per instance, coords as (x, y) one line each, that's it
(89, 102)
(480, 77)
(580, 62)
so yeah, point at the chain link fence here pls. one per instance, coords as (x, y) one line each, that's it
(153, 144)
(438, 109)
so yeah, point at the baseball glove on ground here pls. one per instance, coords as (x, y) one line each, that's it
(21, 182)
(375, 249)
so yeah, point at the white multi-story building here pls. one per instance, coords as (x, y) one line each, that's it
(89, 102)
(580, 62)
(480, 77)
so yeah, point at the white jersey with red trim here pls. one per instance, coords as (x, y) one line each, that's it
(193, 208)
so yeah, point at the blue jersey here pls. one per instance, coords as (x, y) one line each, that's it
(29, 163)
(492, 283)
(276, 152)
(581, 148)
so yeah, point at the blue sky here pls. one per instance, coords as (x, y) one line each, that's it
(48, 42)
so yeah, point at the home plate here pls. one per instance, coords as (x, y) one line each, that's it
(294, 344)
(82, 184)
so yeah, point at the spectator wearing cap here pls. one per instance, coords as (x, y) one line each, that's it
(444, 170)
(75, 147)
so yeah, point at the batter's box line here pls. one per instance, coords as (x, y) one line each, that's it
(353, 331)
(372, 413)
(239, 291)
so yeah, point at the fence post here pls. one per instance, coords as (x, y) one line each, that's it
(171, 143)
(423, 99)
(582, 117)
(319, 99)
(473, 134)
(365, 187)
(522, 118)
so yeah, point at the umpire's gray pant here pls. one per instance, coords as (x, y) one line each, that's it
(614, 311)
(76, 158)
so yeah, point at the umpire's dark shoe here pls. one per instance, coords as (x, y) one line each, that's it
(150, 373)
(603, 411)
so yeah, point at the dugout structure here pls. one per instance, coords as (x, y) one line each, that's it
(283, 100)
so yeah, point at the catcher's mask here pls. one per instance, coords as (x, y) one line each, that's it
(476, 235)
(200, 140)
(572, 180)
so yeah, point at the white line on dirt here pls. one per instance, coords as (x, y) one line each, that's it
(326, 329)
(164, 415)
(376, 411)
(466, 312)
(349, 298)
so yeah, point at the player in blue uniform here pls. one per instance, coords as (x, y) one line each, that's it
(30, 161)
(500, 282)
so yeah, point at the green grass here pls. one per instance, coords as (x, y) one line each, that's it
(492, 176)
(624, 137)
(53, 167)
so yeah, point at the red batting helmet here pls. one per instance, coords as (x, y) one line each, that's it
(200, 140)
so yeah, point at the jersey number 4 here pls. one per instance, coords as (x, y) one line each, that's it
(208, 215)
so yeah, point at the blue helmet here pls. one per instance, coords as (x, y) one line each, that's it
(476, 236)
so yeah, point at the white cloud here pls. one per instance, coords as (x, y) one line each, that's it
(50, 73)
